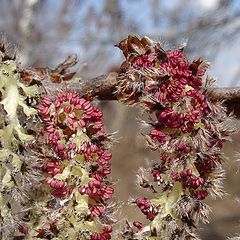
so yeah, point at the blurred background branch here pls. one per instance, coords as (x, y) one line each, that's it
(45, 31)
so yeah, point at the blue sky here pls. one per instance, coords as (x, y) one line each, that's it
(225, 64)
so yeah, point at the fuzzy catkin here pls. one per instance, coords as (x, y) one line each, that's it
(75, 191)
(186, 130)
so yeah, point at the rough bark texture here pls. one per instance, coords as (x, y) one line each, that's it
(103, 88)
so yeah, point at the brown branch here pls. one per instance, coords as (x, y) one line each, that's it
(227, 94)
(104, 87)
(230, 96)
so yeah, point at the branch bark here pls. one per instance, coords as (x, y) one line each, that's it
(104, 87)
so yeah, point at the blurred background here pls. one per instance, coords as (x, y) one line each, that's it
(45, 32)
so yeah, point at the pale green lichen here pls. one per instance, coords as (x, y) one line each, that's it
(11, 100)
(12, 136)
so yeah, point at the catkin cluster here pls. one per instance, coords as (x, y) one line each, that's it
(76, 163)
(186, 130)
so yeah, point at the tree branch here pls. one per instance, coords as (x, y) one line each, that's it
(230, 96)
(104, 87)
(227, 94)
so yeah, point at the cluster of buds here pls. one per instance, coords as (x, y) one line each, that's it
(187, 131)
(75, 172)
(18, 166)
